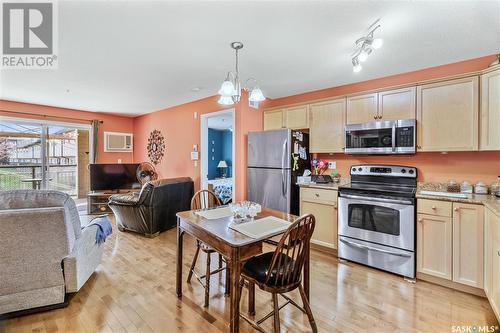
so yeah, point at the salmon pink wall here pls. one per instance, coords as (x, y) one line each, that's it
(181, 131)
(110, 123)
(433, 167)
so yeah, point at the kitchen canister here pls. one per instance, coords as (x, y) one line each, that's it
(480, 188)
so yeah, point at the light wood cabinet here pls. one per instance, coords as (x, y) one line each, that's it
(490, 111)
(326, 126)
(397, 104)
(468, 233)
(273, 119)
(434, 245)
(492, 260)
(362, 108)
(297, 117)
(447, 115)
(323, 205)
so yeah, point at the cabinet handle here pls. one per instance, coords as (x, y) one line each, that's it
(433, 207)
(420, 220)
(316, 194)
(374, 117)
(498, 253)
(456, 209)
(418, 147)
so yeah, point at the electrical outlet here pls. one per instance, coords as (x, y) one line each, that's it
(332, 165)
(119, 161)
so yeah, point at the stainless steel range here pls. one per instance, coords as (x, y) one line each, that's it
(377, 218)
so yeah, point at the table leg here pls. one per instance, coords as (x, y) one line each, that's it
(307, 272)
(251, 299)
(234, 313)
(178, 280)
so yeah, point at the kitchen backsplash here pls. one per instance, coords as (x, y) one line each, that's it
(432, 167)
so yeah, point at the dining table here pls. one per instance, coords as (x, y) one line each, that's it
(235, 247)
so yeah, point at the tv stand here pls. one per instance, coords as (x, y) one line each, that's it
(97, 202)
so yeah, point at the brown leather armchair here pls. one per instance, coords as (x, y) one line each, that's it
(153, 209)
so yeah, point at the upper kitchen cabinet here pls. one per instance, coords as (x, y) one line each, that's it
(273, 119)
(397, 104)
(326, 126)
(447, 115)
(297, 117)
(490, 111)
(362, 108)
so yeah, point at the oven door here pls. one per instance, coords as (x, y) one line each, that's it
(389, 222)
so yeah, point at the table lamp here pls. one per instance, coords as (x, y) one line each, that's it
(223, 166)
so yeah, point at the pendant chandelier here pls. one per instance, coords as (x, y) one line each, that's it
(230, 90)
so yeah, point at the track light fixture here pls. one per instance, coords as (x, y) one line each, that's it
(365, 46)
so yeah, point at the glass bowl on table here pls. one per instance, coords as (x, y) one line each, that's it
(244, 211)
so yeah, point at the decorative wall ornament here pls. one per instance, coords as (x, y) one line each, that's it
(156, 147)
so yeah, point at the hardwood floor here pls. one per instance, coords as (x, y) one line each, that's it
(134, 291)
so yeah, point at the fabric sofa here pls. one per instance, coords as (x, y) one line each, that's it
(44, 252)
(153, 209)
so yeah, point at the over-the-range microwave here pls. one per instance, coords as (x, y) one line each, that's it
(381, 137)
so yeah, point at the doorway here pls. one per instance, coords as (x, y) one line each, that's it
(217, 153)
(44, 155)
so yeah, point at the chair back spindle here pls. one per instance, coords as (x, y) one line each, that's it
(289, 256)
(204, 199)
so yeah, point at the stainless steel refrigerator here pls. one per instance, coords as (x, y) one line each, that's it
(275, 159)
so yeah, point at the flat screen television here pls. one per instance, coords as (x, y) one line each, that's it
(113, 177)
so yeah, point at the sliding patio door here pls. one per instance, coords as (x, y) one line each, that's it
(43, 156)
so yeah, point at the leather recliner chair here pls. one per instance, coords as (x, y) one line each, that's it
(154, 208)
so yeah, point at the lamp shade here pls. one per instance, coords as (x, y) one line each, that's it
(227, 89)
(256, 95)
(225, 100)
(222, 164)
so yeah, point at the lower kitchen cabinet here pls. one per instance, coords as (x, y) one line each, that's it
(468, 244)
(434, 245)
(323, 205)
(492, 260)
(450, 241)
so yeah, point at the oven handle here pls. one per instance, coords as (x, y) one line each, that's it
(403, 202)
(393, 137)
(364, 247)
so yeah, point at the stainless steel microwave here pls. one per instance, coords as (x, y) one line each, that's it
(381, 137)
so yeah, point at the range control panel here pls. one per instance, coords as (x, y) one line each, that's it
(384, 170)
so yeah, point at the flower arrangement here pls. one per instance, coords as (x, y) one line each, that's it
(319, 166)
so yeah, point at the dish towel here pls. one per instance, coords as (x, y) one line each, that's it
(104, 228)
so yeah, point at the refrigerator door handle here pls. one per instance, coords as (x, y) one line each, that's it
(283, 156)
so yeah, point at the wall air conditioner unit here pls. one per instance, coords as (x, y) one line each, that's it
(118, 142)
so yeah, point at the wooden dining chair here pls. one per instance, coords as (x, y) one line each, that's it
(280, 271)
(205, 199)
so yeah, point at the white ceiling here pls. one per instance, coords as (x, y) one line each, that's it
(221, 122)
(136, 57)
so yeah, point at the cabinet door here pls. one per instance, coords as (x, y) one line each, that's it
(362, 108)
(489, 220)
(297, 117)
(468, 246)
(495, 267)
(490, 111)
(397, 104)
(326, 127)
(447, 115)
(434, 246)
(273, 119)
(325, 231)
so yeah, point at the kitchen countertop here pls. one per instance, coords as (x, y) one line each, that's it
(487, 200)
(328, 186)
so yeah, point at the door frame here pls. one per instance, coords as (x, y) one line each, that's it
(204, 146)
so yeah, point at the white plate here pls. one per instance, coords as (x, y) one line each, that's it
(261, 228)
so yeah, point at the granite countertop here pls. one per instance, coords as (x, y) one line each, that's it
(328, 186)
(487, 200)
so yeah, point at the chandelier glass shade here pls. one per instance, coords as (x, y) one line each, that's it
(230, 89)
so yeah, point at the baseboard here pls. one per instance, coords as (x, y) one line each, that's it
(450, 284)
(20, 313)
(325, 249)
